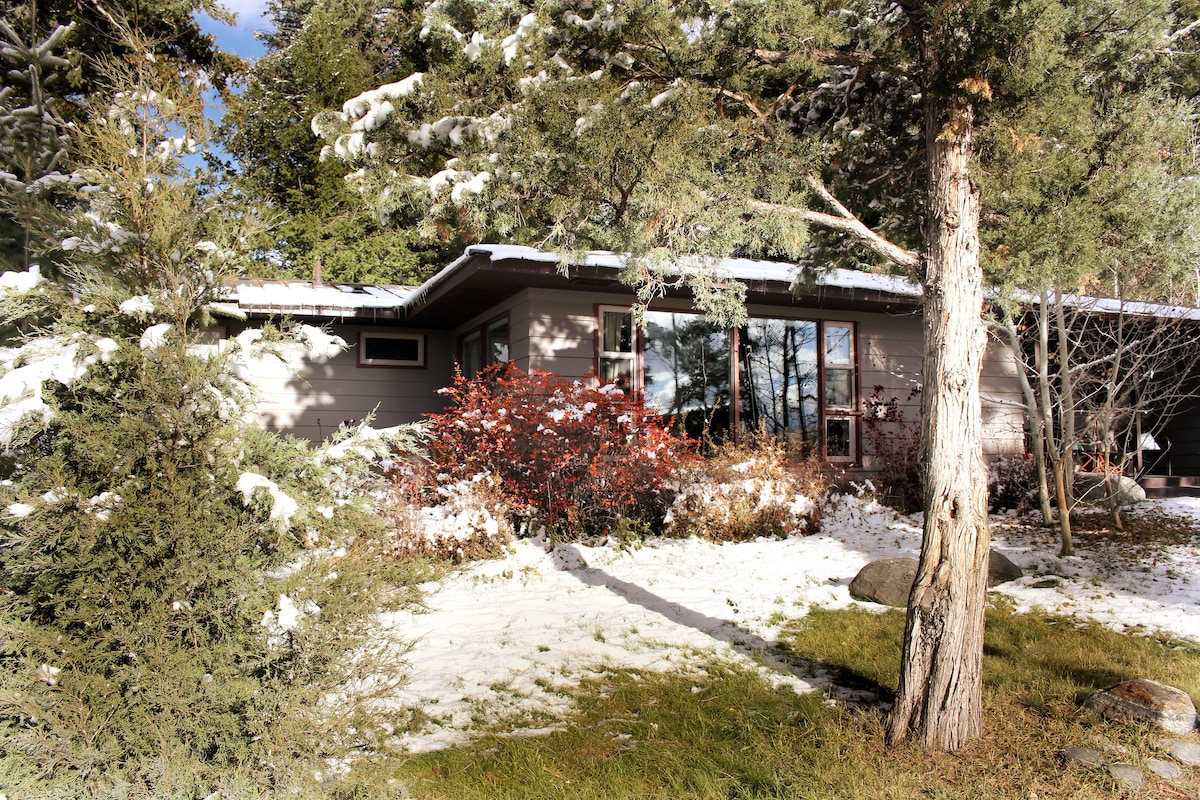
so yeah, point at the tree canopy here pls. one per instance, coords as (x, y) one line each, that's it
(320, 53)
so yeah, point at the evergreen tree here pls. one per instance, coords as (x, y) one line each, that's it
(182, 594)
(33, 143)
(712, 128)
(99, 35)
(319, 54)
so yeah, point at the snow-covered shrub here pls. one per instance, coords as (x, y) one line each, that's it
(741, 492)
(182, 594)
(1012, 483)
(574, 458)
(470, 520)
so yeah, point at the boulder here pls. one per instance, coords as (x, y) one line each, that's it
(889, 581)
(1089, 487)
(1151, 702)
(1164, 769)
(1001, 570)
(1127, 776)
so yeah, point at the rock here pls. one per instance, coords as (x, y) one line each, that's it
(1164, 769)
(1090, 488)
(1001, 570)
(1108, 746)
(1083, 756)
(1157, 704)
(1047, 583)
(1127, 775)
(888, 581)
(1182, 751)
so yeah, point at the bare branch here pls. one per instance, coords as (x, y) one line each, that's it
(1184, 31)
(849, 225)
(820, 191)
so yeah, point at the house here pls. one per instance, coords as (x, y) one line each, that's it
(801, 366)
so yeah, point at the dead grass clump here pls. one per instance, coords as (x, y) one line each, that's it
(747, 490)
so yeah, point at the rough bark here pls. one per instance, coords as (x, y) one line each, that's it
(939, 701)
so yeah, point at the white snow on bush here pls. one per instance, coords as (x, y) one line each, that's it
(283, 507)
(287, 617)
(107, 346)
(27, 368)
(294, 348)
(140, 306)
(319, 343)
(512, 43)
(155, 336)
(19, 510)
(367, 443)
(20, 282)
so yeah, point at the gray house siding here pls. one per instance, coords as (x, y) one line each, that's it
(313, 399)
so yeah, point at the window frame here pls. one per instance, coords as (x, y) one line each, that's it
(420, 362)
(482, 341)
(634, 357)
(826, 411)
(850, 412)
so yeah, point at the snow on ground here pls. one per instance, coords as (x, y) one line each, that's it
(508, 637)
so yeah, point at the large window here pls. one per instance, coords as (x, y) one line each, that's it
(795, 378)
(484, 347)
(779, 378)
(686, 370)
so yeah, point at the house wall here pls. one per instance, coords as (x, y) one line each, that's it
(311, 400)
(554, 330)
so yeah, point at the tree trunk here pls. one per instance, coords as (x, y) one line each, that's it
(1066, 546)
(939, 701)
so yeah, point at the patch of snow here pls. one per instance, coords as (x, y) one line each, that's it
(546, 616)
(155, 336)
(20, 282)
(283, 507)
(140, 307)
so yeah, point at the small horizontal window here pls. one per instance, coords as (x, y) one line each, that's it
(391, 349)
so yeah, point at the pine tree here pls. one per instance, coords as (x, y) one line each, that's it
(33, 141)
(182, 594)
(319, 54)
(710, 129)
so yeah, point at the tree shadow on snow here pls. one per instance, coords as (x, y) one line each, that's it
(772, 654)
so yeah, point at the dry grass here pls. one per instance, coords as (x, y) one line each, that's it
(724, 733)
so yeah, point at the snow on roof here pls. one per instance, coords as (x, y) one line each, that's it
(323, 299)
(744, 269)
(358, 300)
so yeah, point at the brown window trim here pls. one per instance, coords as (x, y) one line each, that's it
(825, 412)
(422, 361)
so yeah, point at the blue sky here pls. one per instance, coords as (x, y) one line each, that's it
(240, 38)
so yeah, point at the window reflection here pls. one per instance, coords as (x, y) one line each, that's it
(687, 370)
(838, 438)
(779, 377)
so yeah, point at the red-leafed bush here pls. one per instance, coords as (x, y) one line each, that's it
(574, 458)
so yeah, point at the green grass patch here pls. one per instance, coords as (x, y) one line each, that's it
(726, 734)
